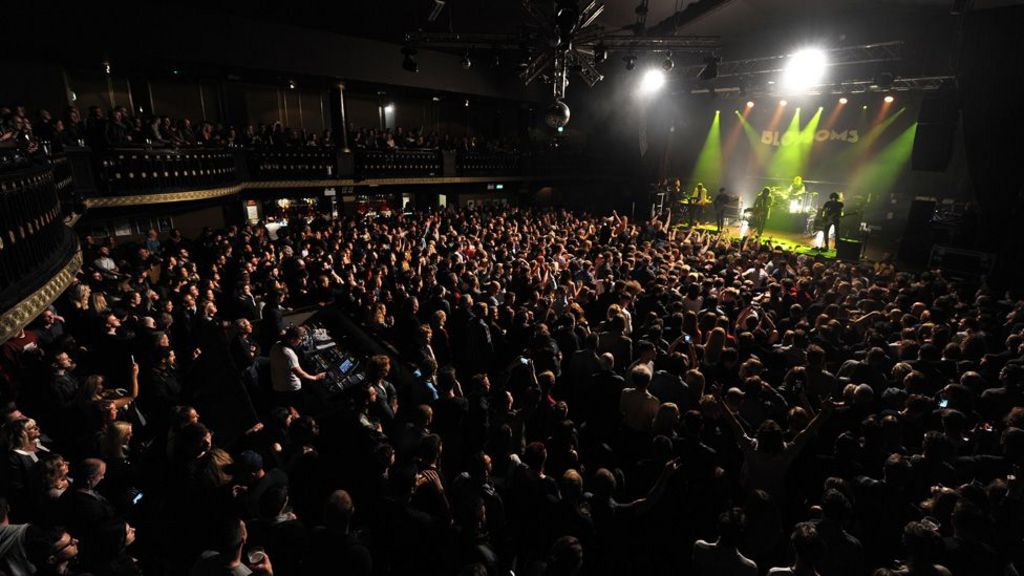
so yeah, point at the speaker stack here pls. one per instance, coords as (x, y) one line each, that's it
(936, 127)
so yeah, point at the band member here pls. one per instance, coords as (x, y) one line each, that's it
(831, 213)
(797, 188)
(762, 206)
(721, 202)
(695, 203)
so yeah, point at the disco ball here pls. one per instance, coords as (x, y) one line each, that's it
(557, 115)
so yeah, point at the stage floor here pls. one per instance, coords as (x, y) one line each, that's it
(789, 241)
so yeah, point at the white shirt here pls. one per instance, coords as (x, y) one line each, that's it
(283, 361)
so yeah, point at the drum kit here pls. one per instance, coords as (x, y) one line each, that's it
(801, 202)
(791, 202)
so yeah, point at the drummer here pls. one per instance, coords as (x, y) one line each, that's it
(797, 193)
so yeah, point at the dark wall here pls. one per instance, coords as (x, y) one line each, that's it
(33, 85)
(147, 34)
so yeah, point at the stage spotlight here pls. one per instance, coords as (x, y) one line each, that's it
(389, 108)
(843, 100)
(667, 64)
(888, 99)
(630, 62)
(783, 102)
(652, 81)
(600, 53)
(496, 62)
(710, 69)
(409, 63)
(864, 107)
(804, 69)
(466, 62)
(291, 85)
(750, 103)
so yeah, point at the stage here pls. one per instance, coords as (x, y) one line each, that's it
(788, 241)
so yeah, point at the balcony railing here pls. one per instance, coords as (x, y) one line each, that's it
(145, 171)
(118, 177)
(31, 221)
(293, 164)
(398, 163)
(473, 163)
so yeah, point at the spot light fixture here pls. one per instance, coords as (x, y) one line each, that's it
(667, 64)
(409, 63)
(710, 70)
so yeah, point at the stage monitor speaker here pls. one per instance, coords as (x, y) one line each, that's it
(917, 236)
(936, 128)
(848, 250)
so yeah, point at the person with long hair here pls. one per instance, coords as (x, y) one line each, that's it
(21, 439)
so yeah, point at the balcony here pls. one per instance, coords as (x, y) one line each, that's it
(38, 252)
(142, 176)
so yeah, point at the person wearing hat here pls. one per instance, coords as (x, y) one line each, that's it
(250, 473)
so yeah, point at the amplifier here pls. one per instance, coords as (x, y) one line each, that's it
(961, 263)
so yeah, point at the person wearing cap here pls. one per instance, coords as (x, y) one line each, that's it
(250, 473)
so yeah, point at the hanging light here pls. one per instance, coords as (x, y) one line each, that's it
(667, 64)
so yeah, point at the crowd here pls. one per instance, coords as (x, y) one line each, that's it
(591, 395)
(120, 128)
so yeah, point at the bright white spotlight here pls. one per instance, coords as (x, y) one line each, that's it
(843, 100)
(782, 102)
(750, 103)
(804, 69)
(652, 81)
(889, 99)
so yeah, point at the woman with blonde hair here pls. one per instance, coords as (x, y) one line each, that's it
(666, 420)
(215, 471)
(115, 442)
(714, 346)
(21, 438)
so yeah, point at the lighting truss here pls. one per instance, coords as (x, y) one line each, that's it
(857, 86)
(559, 38)
(752, 67)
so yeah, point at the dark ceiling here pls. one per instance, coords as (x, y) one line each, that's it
(748, 28)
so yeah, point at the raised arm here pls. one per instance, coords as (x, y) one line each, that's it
(827, 407)
(133, 393)
(734, 424)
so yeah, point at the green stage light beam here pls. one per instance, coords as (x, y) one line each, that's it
(761, 151)
(807, 142)
(785, 163)
(878, 176)
(860, 152)
(709, 162)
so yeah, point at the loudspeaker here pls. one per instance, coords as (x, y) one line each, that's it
(917, 236)
(936, 127)
(848, 250)
(962, 263)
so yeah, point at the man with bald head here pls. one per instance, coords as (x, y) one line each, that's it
(334, 544)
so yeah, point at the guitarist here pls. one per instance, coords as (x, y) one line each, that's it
(762, 207)
(831, 213)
